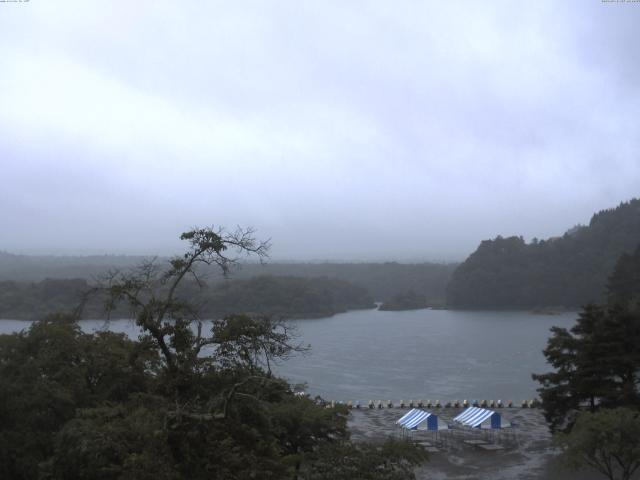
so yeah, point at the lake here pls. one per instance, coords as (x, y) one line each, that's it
(419, 354)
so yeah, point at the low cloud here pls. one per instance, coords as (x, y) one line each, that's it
(368, 130)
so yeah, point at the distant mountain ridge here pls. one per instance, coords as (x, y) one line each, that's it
(568, 271)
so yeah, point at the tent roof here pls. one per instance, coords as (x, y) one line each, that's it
(474, 416)
(413, 418)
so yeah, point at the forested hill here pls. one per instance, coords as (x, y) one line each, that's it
(567, 271)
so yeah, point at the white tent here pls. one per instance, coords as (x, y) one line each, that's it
(476, 417)
(417, 419)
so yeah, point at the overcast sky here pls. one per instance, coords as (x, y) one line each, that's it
(366, 130)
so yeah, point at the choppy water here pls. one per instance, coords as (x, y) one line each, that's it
(421, 354)
(424, 354)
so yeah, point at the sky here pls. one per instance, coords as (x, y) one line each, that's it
(341, 130)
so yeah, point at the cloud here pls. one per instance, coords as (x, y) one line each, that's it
(358, 130)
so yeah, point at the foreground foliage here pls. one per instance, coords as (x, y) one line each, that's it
(392, 460)
(592, 398)
(187, 400)
(607, 441)
(597, 362)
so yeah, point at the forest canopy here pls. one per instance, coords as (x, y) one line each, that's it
(568, 271)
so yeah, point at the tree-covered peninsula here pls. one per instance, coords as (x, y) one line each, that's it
(410, 300)
(279, 296)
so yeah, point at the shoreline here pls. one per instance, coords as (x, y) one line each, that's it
(530, 456)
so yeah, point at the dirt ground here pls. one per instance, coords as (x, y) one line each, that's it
(527, 452)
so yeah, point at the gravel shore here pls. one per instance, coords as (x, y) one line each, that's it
(527, 454)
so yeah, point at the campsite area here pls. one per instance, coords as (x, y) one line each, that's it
(530, 455)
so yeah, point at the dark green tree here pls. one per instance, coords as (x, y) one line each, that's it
(624, 282)
(189, 399)
(124, 440)
(580, 376)
(52, 371)
(607, 441)
(597, 362)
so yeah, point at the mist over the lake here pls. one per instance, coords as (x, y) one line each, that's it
(363, 131)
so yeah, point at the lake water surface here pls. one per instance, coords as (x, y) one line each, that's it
(424, 354)
(419, 354)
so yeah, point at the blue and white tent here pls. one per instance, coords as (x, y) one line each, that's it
(417, 419)
(476, 417)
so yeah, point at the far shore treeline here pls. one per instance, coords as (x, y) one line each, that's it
(31, 287)
(283, 297)
(562, 272)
